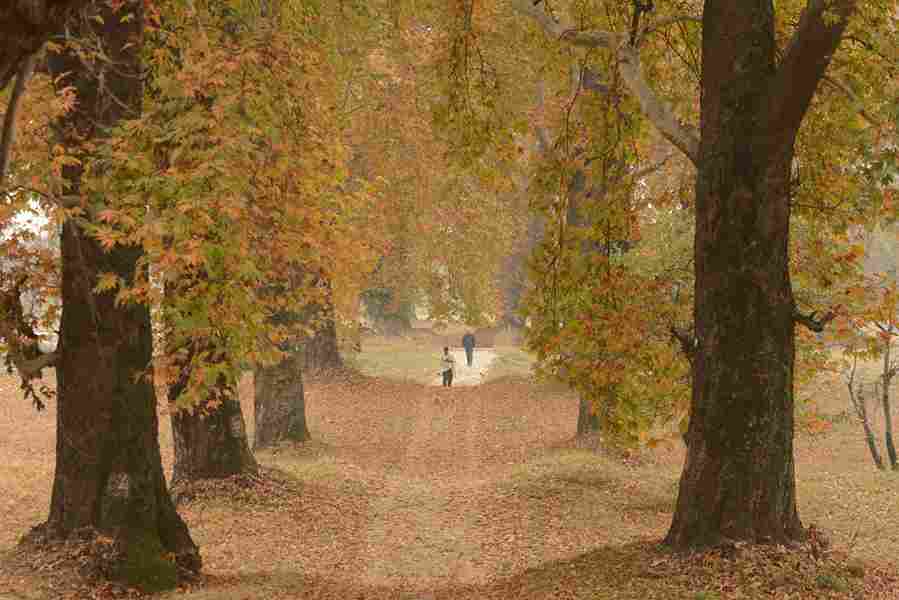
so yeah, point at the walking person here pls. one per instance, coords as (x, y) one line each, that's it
(468, 343)
(449, 366)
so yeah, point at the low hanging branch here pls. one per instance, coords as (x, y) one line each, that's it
(639, 9)
(22, 350)
(688, 342)
(8, 137)
(685, 138)
(809, 320)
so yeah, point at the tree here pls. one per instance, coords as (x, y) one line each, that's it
(210, 439)
(108, 468)
(870, 331)
(280, 403)
(236, 238)
(591, 192)
(858, 398)
(279, 397)
(319, 348)
(738, 480)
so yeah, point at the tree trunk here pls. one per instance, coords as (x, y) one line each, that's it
(513, 275)
(320, 352)
(862, 410)
(280, 404)
(738, 481)
(108, 466)
(587, 419)
(887, 409)
(211, 439)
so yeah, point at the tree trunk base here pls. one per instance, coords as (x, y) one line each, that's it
(136, 560)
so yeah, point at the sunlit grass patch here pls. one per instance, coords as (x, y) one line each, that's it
(510, 362)
(398, 359)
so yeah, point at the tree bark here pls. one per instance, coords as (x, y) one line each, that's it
(738, 481)
(887, 409)
(24, 27)
(211, 439)
(513, 276)
(280, 403)
(587, 419)
(862, 411)
(108, 467)
(320, 352)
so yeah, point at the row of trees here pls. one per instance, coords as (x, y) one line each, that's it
(216, 184)
(201, 151)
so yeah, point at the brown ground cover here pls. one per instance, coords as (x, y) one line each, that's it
(414, 492)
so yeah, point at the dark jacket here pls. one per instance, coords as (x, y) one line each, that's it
(468, 341)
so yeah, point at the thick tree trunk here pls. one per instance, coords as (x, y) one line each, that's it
(887, 409)
(108, 466)
(211, 439)
(280, 404)
(738, 481)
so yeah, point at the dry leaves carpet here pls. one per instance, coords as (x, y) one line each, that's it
(420, 493)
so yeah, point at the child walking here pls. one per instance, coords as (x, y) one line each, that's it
(449, 366)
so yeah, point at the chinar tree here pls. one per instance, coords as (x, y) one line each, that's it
(758, 70)
(108, 473)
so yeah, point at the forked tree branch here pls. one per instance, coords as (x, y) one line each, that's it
(658, 112)
(805, 61)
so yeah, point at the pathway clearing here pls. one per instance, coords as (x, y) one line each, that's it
(473, 375)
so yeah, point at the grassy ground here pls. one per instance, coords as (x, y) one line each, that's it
(417, 358)
(415, 492)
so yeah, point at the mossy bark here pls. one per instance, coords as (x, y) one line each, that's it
(108, 467)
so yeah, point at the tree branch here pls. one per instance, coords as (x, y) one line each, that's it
(683, 137)
(816, 325)
(839, 85)
(586, 39)
(30, 368)
(688, 343)
(805, 61)
(663, 23)
(8, 137)
(650, 169)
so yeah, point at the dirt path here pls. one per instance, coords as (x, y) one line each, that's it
(465, 375)
(427, 493)
(405, 492)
